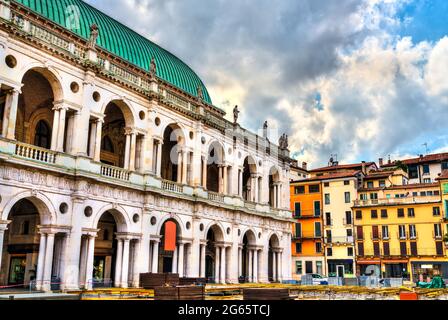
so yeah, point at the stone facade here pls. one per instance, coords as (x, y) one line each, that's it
(241, 230)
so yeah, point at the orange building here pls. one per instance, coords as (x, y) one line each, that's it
(307, 244)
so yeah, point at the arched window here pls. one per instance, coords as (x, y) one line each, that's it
(107, 145)
(42, 137)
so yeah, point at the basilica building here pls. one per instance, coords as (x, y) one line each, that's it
(115, 162)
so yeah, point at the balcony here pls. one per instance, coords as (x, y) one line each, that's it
(339, 240)
(307, 236)
(397, 201)
(35, 158)
(308, 214)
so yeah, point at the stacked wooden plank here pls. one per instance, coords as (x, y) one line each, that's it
(192, 281)
(153, 280)
(255, 294)
(179, 293)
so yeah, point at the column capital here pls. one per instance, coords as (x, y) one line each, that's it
(59, 106)
(130, 131)
(128, 236)
(90, 232)
(4, 225)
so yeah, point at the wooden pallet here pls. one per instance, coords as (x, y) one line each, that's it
(153, 280)
(179, 293)
(255, 294)
(192, 281)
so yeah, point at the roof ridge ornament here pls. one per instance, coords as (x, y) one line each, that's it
(94, 32)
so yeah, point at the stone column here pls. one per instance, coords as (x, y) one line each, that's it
(217, 265)
(55, 129)
(48, 262)
(280, 267)
(223, 265)
(143, 143)
(240, 183)
(175, 260)
(70, 133)
(255, 188)
(220, 179)
(41, 261)
(127, 149)
(274, 204)
(274, 266)
(204, 172)
(61, 129)
(155, 256)
(251, 266)
(97, 141)
(3, 228)
(125, 264)
(255, 275)
(184, 166)
(181, 254)
(203, 261)
(132, 151)
(159, 158)
(225, 181)
(83, 263)
(90, 258)
(240, 262)
(63, 258)
(10, 115)
(118, 263)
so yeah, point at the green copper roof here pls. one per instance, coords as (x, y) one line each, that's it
(120, 40)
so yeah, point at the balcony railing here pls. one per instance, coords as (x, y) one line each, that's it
(335, 240)
(213, 196)
(397, 201)
(307, 235)
(308, 214)
(115, 173)
(35, 153)
(172, 186)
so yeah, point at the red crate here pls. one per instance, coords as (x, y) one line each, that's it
(406, 296)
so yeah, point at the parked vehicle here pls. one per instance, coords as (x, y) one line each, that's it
(319, 280)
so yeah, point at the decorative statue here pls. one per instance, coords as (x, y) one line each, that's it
(93, 36)
(265, 126)
(236, 113)
(153, 68)
(200, 93)
(265, 129)
(286, 142)
(281, 141)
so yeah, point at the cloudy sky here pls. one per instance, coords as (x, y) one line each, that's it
(362, 79)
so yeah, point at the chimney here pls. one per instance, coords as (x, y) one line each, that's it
(363, 167)
(304, 166)
(381, 162)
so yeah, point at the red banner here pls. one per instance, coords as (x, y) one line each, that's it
(170, 236)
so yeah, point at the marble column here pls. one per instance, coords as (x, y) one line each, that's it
(181, 260)
(159, 158)
(254, 188)
(155, 256)
(274, 205)
(97, 141)
(127, 149)
(202, 274)
(175, 260)
(179, 167)
(3, 228)
(132, 150)
(204, 172)
(240, 183)
(125, 264)
(223, 265)
(48, 262)
(61, 129)
(217, 269)
(225, 181)
(136, 261)
(143, 143)
(70, 133)
(220, 179)
(280, 267)
(255, 275)
(118, 263)
(240, 262)
(10, 115)
(41, 261)
(55, 129)
(90, 261)
(274, 266)
(184, 166)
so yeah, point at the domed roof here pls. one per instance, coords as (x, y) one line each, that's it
(121, 41)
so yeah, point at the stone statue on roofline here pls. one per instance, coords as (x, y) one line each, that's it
(265, 129)
(153, 69)
(283, 142)
(236, 113)
(94, 32)
(200, 93)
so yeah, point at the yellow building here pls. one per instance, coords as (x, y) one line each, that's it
(399, 227)
(339, 191)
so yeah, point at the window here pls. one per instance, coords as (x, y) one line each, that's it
(384, 213)
(298, 247)
(359, 233)
(350, 252)
(349, 233)
(363, 197)
(385, 232)
(346, 183)
(329, 237)
(413, 172)
(327, 198)
(370, 184)
(309, 267)
(317, 210)
(360, 249)
(375, 233)
(299, 269)
(297, 210)
(298, 230)
(439, 248)
(318, 247)
(426, 169)
(423, 193)
(374, 214)
(42, 136)
(329, 252)
(328, 219)
(326, 184)
(411, 212)
(386, 249)
(403, 249)
(348, 218)
(317, 230)
(400, 213)
(444, 165)
(314, 188)
(437, 231)
(414, 251)
(402, 232)
(376, 249)
(427, 180)
(382, 183)
(436, 211)
(358, 214)
(374, 196)
(347, 197)
(436, 192)
(299, 190)
(412, 232)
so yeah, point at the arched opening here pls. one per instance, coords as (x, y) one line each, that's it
(247, 258)
(113, 140)
(105, 252)
(172, 157)
(25, 258)
(215, 163)
(274, 180)
(250, 181)
(274, 244)
(35, 115)
(213, 256)
(169, 248)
